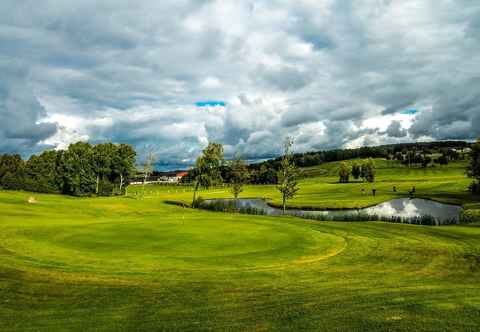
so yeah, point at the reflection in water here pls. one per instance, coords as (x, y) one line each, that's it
(402, 207)
(407, 208)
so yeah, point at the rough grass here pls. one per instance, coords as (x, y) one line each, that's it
(124, 264)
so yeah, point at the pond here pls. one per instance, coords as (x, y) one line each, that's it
(404, 208)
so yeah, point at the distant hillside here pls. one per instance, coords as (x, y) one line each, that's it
(265, 172)
(313, 158)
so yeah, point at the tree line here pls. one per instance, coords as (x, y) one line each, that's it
(81, 170)
(420, 154)
(448, 149)
(105, 169)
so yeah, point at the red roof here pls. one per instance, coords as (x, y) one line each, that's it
(181, 174)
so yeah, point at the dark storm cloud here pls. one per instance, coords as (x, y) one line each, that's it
(395, 130)
(454, 115)
(284, 78)
(131, 72)
(20, 111)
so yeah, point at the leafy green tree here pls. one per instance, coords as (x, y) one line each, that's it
(398, 156)
(356, 171)
(442, 160)
(41, 173)
(239, 176)
(123, 164)
(367, 170)
(102, 162)
(288, 174)
(11, 172)
(207, 168)
(426, 161)
(77, 169)
(473, 169)
(267, 175)
(410, 158)
(363, 172)
(344, 172)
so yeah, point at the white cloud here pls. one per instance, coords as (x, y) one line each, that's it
(211, 82)
(331, 73)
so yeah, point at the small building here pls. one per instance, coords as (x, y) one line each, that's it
(180, 175)
(161, 177)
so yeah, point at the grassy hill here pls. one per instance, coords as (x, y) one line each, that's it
(120, 263)
(319, 187)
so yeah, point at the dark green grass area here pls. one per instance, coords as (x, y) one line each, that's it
(126, 264)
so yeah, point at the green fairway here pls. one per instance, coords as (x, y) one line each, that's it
(122, 264)
(319, 189)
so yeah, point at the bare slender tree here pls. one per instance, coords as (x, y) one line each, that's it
(147, 168)
(240, 175)
(288, 173)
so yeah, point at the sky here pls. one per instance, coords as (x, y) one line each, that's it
(171, 76)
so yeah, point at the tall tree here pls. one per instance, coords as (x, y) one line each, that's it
(267, 175)
(41, 173)
(367, 170)
(102, 161)
(9, 165)
(77, 169)
(240, 175)
(147, 168)
(207, 168)
(11, 172)
(344, 172)
(442, 160)
(473, 170)
(288, 174)
(123, 164)
(355, 171)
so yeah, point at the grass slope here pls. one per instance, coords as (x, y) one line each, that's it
(120, 264)
(319, 188)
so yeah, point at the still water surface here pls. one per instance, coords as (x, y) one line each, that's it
(401, 207)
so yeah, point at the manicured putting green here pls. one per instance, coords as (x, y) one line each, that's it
(161, 243)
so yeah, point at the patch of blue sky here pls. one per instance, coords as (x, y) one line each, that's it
(210, 103)
(411, 111)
